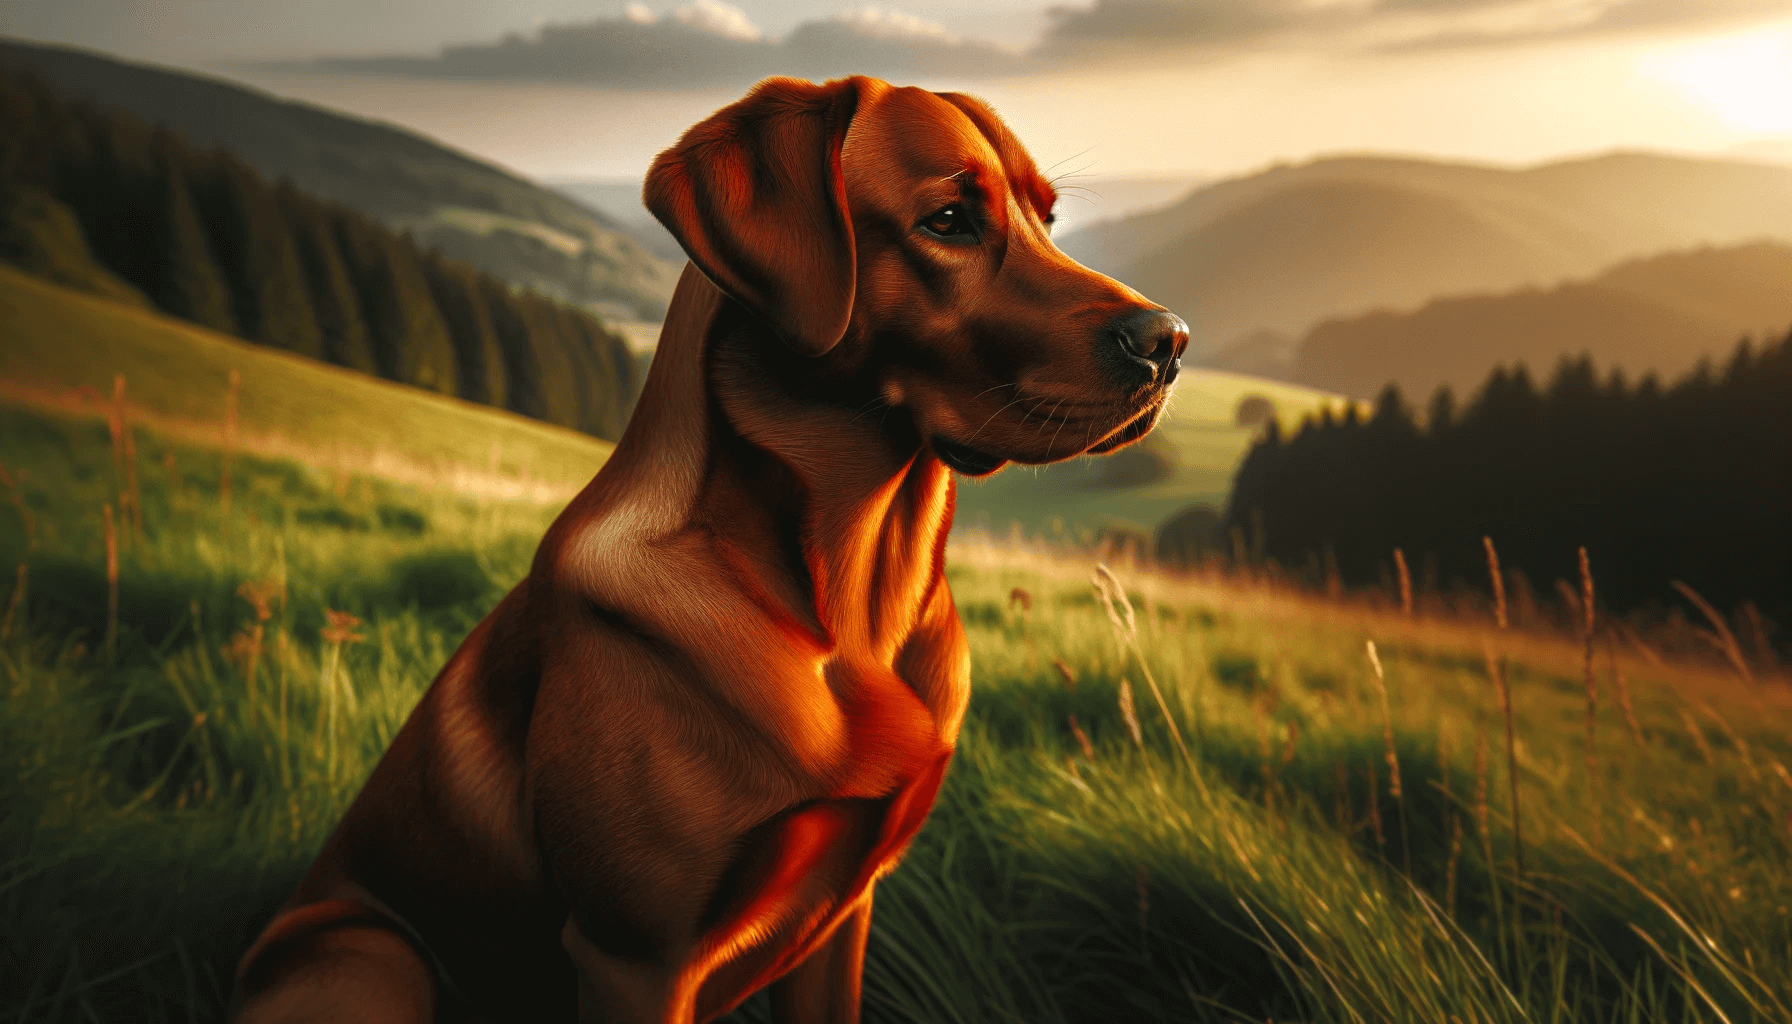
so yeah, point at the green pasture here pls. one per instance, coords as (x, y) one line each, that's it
(66, 350)
(167, 772)
(1199, 439)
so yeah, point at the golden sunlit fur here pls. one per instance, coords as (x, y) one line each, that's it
(667, 770)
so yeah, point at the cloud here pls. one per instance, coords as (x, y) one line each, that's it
(713, 43)
(1171, 22)
(709, 43)
(1374, 25)
(1550, 20)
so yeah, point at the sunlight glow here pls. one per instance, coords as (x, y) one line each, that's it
(1746, 80)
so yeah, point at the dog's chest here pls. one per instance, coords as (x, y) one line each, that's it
(818, 865)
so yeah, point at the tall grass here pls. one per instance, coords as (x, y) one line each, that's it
(1207, 855)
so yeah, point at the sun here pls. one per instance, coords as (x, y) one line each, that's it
(1746, 80)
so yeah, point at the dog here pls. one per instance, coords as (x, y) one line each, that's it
(669, 768)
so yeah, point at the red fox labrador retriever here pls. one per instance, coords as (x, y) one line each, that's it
(669, 768)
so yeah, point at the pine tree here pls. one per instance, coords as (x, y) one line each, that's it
(186, 281)
(522, 369)
(479, 365)
(561, 379)
(410, 342)
(254, 242)
(335, 305)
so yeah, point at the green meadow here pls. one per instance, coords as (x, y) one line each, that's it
(1188, 459)
(1191, 801)
(65, 350)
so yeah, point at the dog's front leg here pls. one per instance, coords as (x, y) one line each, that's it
(624, 990)
(824, 989)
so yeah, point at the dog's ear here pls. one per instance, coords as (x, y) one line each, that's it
(756, 197)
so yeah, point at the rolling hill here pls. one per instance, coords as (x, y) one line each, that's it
(1660, 314)
(522, 232)
(64, 347)
(1189, 459)
(1281, 250)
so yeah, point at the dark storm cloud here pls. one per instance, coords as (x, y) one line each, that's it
(708, 43)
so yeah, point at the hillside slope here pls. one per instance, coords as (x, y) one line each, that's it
(63, 349)
(1661, 314)
(1188, 459)
(525, 233)
(1285, 248)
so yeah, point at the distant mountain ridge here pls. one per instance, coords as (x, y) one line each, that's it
(1283, 249)
(1661, 314)
(524, 233)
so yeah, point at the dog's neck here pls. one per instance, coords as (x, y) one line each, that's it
(834, 507)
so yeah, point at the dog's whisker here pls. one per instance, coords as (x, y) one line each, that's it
(992, 416)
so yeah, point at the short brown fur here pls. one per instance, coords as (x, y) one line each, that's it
(668, 769)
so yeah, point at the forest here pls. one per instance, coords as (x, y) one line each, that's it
(1690, 482)
(99, 200)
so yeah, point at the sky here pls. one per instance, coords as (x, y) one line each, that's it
(1097, 90)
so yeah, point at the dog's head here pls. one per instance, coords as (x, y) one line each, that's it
(906, 234)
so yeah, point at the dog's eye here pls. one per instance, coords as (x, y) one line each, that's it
(1051, 217)
(948, 222)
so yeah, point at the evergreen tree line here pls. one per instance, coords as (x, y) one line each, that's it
(1691, 482)
(204, 237)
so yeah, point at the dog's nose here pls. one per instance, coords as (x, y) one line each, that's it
(1154, 338)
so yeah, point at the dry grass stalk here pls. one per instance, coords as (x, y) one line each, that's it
(1265, 764)
(132, 498)
(1393, 758)
(115, 426)
(230, 401)
(1082, 739)
(1481, 811)
(1721, 637)
(338, 630)
(1345, 823)
(1785, 777)
(16, 605)
(1732, 735)
(18, 502)
(1111, 592)
(1405, 582)
(1592, 681)
(1496, 672)
(1130, 715)
(260, 594)
(1443, 784)
(1636, 641)
(1570, 599)
(1069, 676)
(1075, 775)
(1499, 583)
(1623, 687)
(1697, 732)
(1381, 843)
(111, 578)
(1757, 629)
(1387, 721)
